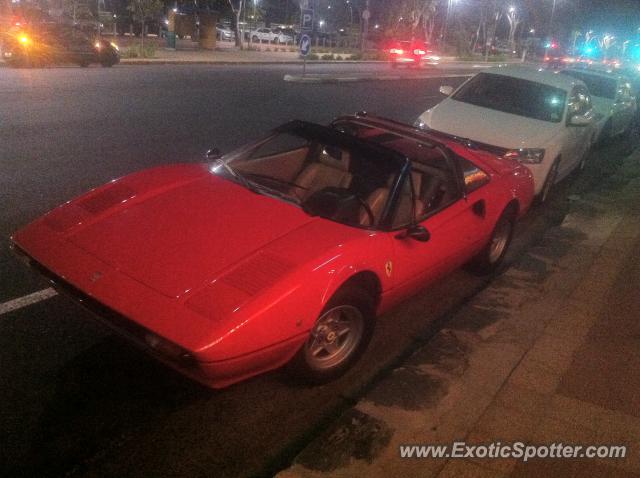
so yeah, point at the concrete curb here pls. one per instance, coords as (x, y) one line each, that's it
(353, 79)
(241, 62)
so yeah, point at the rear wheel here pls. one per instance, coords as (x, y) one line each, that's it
(491, 258)
(338, 338)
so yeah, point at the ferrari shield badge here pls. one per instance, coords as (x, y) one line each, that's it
(388, 267)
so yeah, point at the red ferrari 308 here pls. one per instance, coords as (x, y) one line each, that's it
(283, 251)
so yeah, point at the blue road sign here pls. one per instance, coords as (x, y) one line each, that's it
(305, 45)
(306, 20)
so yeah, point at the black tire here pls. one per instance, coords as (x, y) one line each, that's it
(491, 259)
(352, 303)
(549, 182)
(254, 39)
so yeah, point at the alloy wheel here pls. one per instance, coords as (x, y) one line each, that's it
(335, 337)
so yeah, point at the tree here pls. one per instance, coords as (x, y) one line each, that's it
(143, 9)
(514, 20)
(77, 9)
(237, 6)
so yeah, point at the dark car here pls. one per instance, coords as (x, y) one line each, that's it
(412, 53)
(51, 43)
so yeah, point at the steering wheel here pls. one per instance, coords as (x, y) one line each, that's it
(367, 209)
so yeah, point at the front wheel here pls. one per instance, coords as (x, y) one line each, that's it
(491, 258)
(338, 338)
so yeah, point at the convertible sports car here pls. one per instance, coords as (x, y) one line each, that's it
(281, 252)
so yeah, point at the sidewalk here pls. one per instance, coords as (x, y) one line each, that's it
(548, 353)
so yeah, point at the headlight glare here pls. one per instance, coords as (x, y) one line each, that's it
(419, 124)
(526, 155)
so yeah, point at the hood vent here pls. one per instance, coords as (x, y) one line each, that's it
(257, 273)
(110, 197)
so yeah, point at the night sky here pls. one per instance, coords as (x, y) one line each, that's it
(618, 17)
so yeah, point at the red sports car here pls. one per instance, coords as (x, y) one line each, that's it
(284, 251)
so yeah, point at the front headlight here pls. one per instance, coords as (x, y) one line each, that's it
(526, 155)
(114, 46)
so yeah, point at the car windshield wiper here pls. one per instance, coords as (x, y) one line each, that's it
(238, 177)
(276, 180)
(253, 186)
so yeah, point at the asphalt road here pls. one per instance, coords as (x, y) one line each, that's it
(77, 400)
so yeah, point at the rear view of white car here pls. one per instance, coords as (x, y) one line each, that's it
(613, 101)
(540, 118)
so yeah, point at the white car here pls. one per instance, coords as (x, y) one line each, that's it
(613, 101)
(262, 34)
(540, 118)
(225, 33)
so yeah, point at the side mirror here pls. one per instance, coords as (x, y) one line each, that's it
(416, 232)
(580, 120)
(214, 153)
(446, 90)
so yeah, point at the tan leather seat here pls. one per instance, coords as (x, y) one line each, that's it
(376, 201)
(326, 172)
(378, 198)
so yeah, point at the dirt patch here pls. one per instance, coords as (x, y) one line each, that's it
(355, 435)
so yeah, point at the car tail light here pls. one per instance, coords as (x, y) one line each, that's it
(546, 58)
(526, 155)
(397, 51)
(419, 52)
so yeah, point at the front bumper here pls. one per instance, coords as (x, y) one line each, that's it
(160, 326)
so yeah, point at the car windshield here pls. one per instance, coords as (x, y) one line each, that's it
(514, 95)
(325, 172)
(597, 85)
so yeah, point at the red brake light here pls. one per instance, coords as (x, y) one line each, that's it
(419, 52)
(396, 51)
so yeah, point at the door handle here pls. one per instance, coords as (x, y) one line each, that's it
(479, 208)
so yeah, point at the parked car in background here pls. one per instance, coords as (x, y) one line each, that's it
(412, 54)
(260, 35)
(284, 35)
(540, 118)
(283, 251)
(52, 43)
(612, 98)
(225, 33)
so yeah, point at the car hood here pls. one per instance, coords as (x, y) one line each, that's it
(488, 126)
(181, 235)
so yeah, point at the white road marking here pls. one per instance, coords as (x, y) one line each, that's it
(26, 300)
